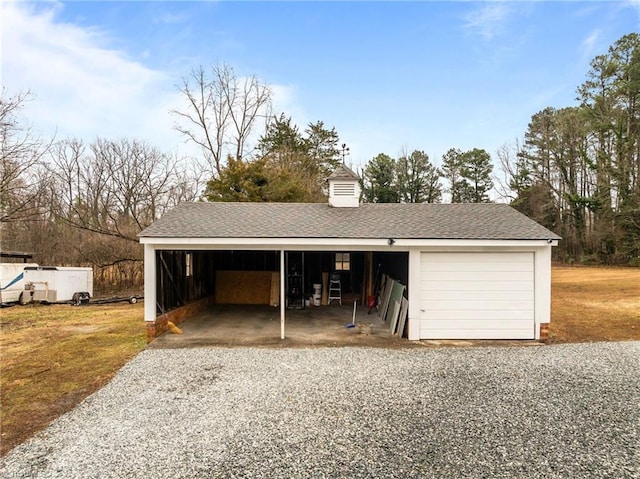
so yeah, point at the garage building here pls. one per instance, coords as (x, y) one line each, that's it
(471, 271)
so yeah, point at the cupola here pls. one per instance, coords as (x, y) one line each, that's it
(344, 188)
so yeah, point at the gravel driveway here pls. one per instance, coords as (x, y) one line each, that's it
(542, 411)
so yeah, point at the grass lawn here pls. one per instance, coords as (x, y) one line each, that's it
(594, 304)
(52, 357)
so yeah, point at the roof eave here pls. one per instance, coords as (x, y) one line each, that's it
(336, 243)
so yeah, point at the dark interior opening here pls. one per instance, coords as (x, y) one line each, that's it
(186, 276)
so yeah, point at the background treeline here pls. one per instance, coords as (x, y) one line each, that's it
(576, 170)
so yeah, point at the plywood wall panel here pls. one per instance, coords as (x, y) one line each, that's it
(243, 287)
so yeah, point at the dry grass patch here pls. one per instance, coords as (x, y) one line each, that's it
(55, 356)
(595, 304)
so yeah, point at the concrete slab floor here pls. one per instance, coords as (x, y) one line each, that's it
(259, 326)
(247, 325)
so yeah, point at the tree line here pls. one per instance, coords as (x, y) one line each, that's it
(412, 178)
(72, 203)
(576, 170)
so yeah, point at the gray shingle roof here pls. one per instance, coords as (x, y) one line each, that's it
(368, 221)
(343, 172)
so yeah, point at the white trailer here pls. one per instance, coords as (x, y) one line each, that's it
(58, 284)
(12, 281)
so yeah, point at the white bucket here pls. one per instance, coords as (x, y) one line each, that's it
(316, 300)
(317, 289)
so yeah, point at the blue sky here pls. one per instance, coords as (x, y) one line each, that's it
(388, 75)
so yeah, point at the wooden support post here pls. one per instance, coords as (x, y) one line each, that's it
(370, 278)
(325, 289)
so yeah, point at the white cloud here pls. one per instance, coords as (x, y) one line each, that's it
(285, 100)
(634, 4)
(591, 44)
(488, 20)
(81, 86)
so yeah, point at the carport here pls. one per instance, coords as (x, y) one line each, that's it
(188, 281)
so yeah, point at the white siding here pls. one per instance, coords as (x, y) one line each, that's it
(477, 295)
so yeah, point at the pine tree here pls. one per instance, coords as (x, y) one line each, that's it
(418, 180)
(476, 168)
(379, 180)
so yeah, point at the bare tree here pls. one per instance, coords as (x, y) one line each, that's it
(514, 175)
(21, 155)
(117, 188)
(221, 111)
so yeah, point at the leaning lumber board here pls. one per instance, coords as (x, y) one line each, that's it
(386, 295)
(393, 318)
(404, 309)
(395, 295)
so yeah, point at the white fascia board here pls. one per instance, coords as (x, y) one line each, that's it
(319, 244)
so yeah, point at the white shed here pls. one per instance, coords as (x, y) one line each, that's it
(472, 271)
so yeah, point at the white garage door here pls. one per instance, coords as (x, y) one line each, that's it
(477, 296)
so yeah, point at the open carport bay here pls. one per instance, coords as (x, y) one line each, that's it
(253, 290)
(246, 276)
(551, 411)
